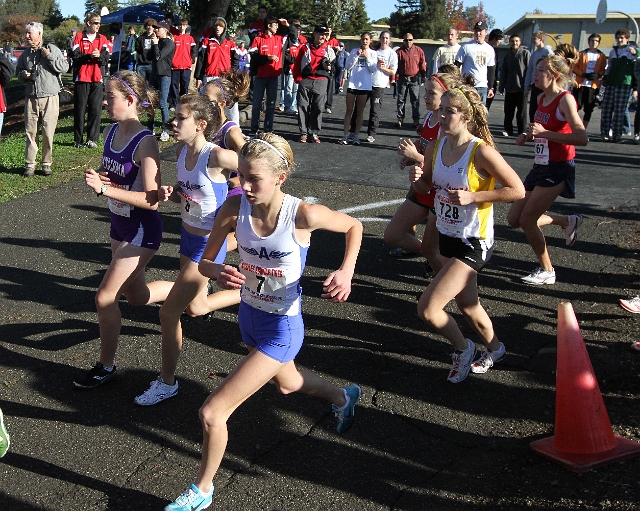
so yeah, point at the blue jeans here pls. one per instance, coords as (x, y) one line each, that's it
(483, 94)
(164, 84)
(290, 88)
(144, 70)
(409, 85)
(260, 85)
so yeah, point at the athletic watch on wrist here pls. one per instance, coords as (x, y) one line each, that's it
(102, 189)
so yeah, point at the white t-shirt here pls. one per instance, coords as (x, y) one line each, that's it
(475, 59)
(361, 69)
(379, 78)
(445, 55)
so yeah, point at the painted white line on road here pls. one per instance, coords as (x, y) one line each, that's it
(371, 205)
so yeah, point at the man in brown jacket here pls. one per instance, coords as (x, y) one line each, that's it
(412, 69)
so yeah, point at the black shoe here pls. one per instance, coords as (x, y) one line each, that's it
(79, 146)
(95, 377)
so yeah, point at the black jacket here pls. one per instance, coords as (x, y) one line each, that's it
(163, 52)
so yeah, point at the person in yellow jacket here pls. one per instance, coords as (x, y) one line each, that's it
(589, 70)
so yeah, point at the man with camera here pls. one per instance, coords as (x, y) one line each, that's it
(39, 68)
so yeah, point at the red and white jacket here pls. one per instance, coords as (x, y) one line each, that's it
(269, 44)
(216, 57)
(89, 67)
(309, 62)
(185, 52)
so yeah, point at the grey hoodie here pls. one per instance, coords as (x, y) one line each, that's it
(45, 82)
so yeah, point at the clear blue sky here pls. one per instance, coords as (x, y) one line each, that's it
(503, 11)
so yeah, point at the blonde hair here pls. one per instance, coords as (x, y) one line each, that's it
(273, 149)
(561, 63)
(467, 100)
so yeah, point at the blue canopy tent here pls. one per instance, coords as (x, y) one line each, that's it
(134, 15)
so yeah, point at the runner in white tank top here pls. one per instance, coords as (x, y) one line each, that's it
(455, 166)
(202, 187)
(273, 232)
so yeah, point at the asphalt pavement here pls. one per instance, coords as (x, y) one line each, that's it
(417, 443)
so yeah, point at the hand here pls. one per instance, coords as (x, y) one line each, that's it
(95, 54)
(407, 149)
(95, 180)
(164, 192)
(274, 58)
(45, 51)
(26, 74)
(415, 173)
(536, 129)
(337, 286)
(522, 138)
(460, 197)
(490, 93)
(198, 84)
(230, 278)
(154, 39)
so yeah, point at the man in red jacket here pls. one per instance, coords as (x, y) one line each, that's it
(312, 70)
(268, 51)
(183, 59)
(90, 56)
(215, 54)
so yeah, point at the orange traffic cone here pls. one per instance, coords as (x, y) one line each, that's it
(583, 436)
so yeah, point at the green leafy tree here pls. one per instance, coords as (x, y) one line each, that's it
(455, 15)
(422, 18)
(477, 13)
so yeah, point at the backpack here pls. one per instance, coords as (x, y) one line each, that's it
(7, 69)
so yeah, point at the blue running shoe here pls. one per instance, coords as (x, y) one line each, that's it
(192, 499)
(345, 416)
(4, 437)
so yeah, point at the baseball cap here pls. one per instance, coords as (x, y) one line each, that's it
(321, 29)
(480, 25)
(161, 24)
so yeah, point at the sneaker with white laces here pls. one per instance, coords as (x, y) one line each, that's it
(356, 140)
(632, 304)
(164, 136)
(462, 363)
(94, 377)
(540, 276)
(371, 139)
(192, 499)
(571, 230)
(345, 415)
(157, 392)
(487, 359)
(4, 437)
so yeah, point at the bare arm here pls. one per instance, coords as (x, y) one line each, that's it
(337, 286)
(490, 161)
(228, 277)
(235, 139)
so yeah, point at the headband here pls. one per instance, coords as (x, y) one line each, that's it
(224, 95)
(458, 90)
(270, 146)
(444, 87)
(142, 103)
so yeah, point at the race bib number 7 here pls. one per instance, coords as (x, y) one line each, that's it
(264, 288)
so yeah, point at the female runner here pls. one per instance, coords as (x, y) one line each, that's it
(556, 130)
(273, 231)
(361, 64)
(463, 170)
(202, 188)
(400, 232)
(129, 177)
(229, 88)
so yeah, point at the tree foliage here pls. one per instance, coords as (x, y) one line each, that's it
(455, 15)
(422, 18)
(477, 13)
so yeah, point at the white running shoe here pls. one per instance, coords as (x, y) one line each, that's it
(164, 136)
(487, 359)
(371, 139)
(462, 363)
(631, 304)
(540, 276)
(571, 230)
(159, 391)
